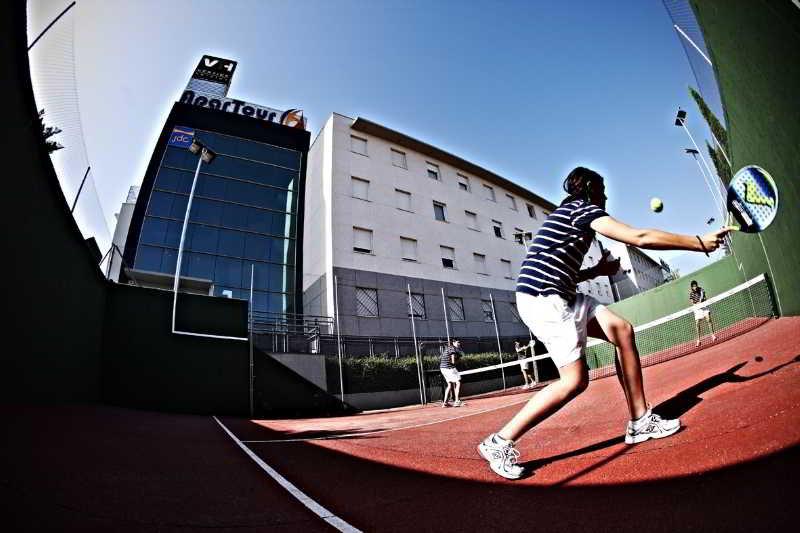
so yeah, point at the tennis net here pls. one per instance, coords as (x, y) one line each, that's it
(731, 313)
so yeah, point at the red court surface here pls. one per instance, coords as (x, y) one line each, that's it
(731, 468)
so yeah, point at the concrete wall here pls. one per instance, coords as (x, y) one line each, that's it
(71, 335)
(54, 300)
(147, 367)
(755, 49)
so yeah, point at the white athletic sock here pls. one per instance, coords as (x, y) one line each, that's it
(497, 439)
(641, 421)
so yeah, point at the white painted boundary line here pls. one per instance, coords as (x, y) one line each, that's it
(389, 430)
(301, 496)
(503, 365)
(688, 310)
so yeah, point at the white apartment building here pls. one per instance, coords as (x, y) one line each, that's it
(638, 271)
(385, 211)
(600, 287)
(121, 232)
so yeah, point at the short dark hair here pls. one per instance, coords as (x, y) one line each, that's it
(579, 183)
(693, 282)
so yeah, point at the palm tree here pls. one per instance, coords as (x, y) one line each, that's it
(720, 163)
(47, 132)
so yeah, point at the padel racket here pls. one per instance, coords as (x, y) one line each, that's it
(752, 199)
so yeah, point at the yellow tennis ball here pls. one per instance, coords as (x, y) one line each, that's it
(656, 204)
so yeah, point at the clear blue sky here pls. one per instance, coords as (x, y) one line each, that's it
(527, 89)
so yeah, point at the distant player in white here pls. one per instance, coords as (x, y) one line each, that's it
(524, 366)
(696, 296)
(561, 318)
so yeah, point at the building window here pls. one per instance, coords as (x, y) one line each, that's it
(463, 183)
(399, 159)
(519, 236)
(360, 188)
(408, 249)
(472, 220)
(433, 171)
(480, 263)
(486, 307)
(358, 145)
(531, 211)
(448, 256)
(514, 313)
(489, 193)
(403, 199)
(506, 268)
(362, 240)
(512, 203)
(366, 302)
(498, 229)
(455, 309)
(418, 306)
(440, 211)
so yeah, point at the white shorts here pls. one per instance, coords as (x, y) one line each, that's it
(700, 314)
(450, 375)
(525, 365)
(559, 325)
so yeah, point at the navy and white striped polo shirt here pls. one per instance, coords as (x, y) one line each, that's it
(555, 256)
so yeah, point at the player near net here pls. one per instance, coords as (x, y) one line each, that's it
(698, 295)
(562, 318)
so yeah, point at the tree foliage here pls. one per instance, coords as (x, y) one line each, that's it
(47, 132)
(720, 163)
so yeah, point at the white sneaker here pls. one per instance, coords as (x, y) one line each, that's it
(459, 403)
(502, 457)
(650, 426)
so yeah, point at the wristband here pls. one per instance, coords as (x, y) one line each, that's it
(702, 246)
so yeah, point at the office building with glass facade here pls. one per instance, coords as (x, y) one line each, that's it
(246, 216)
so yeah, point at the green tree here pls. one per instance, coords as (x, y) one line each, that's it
(720, 163)
(47, 132)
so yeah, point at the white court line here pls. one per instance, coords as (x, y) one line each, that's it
(301, 496)
(414, 426)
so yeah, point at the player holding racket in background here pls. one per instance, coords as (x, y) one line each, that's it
(562, 319)
(698, 295)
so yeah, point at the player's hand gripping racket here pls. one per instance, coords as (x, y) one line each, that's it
(752, 200)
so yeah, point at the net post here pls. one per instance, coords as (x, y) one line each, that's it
(535, 366)
(497, 336)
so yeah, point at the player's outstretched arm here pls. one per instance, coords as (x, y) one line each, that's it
(653, 239)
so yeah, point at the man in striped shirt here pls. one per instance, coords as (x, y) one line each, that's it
(447, 366)
(561, 318)
(696, 296)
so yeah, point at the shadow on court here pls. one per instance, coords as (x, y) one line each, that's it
(675, 407)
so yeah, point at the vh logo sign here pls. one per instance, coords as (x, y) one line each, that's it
(210, 62)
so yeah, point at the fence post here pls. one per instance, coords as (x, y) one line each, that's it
(252, 376)
(497, 335)
(446, 323)
(420, 374)
(338, 334)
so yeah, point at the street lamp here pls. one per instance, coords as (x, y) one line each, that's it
(680, 120)
(206, 155)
